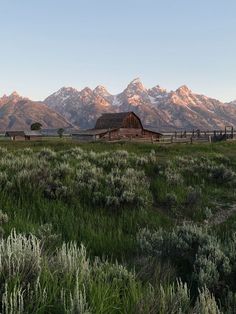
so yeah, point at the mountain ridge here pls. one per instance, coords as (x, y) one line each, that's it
(18, 112)
(157, 107)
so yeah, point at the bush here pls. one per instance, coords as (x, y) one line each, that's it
(221, 174)
(20, 258)
(171, 199)
(198, 256)
(193, 197)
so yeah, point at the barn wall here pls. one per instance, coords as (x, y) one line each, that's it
(84, 138)
(124, 133)
(149, 134)
(33, 138)
(130, 132)
(132, 122)
(18, 138)
(111, 135)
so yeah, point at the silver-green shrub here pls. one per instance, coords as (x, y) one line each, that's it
(192, 246)
(20, 257)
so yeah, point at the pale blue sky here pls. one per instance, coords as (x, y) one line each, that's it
(47, 44)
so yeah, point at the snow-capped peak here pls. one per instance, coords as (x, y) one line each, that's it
(136, 81)
(157, 91)
(101, 91)
(14, 94)
(66, 90)
(136, 86)
(86, 91)
(183, 89)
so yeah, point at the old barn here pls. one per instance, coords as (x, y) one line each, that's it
(112, 126)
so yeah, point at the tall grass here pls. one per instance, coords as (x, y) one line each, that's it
(57, 197)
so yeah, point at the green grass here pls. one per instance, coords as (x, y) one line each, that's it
(111, 231)
(103, 233)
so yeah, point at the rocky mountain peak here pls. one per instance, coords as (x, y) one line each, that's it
(233, 102)
(100, 88)
(135, 85)
(14, 97)
(157, 92)
(14, 94)
(159, 89)
(183, 90)
(101, 91)
(86, 91)
(66, 91)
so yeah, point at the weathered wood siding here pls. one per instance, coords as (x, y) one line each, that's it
(132, 122)
(148, 134)
(124, 133)
(84, 138)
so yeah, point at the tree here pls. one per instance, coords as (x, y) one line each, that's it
(60, 132)
(36, 126)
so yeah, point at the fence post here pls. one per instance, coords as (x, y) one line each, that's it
(191, 140)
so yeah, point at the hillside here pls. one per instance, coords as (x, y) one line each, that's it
(157, 107)
(17, 113)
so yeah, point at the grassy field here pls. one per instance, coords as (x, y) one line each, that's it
(157, 222)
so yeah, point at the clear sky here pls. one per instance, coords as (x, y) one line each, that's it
(47, 44)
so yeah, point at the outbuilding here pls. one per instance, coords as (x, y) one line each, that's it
(33, 135)
(90, 135)
(15, 135)
(23, 135)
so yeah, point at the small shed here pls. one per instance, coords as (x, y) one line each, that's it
(23, 135)
(33, 135)
(15, 135)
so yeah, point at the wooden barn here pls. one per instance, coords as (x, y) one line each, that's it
(112, 126)
(23, 135)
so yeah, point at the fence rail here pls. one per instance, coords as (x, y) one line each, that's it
(167, 140)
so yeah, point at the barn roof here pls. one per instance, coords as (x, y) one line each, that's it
(152, 130)
(22, 133)
(32, 133)
(15, 133)
(91, 132)
(113, 120)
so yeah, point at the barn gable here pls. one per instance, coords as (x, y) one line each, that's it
(119, 120)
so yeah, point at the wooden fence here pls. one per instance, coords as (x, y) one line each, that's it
(163, 140)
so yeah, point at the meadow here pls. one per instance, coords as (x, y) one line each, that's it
(117, 228)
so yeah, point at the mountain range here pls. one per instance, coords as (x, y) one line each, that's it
(18, 113)
(181, 109)
(157, 107)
